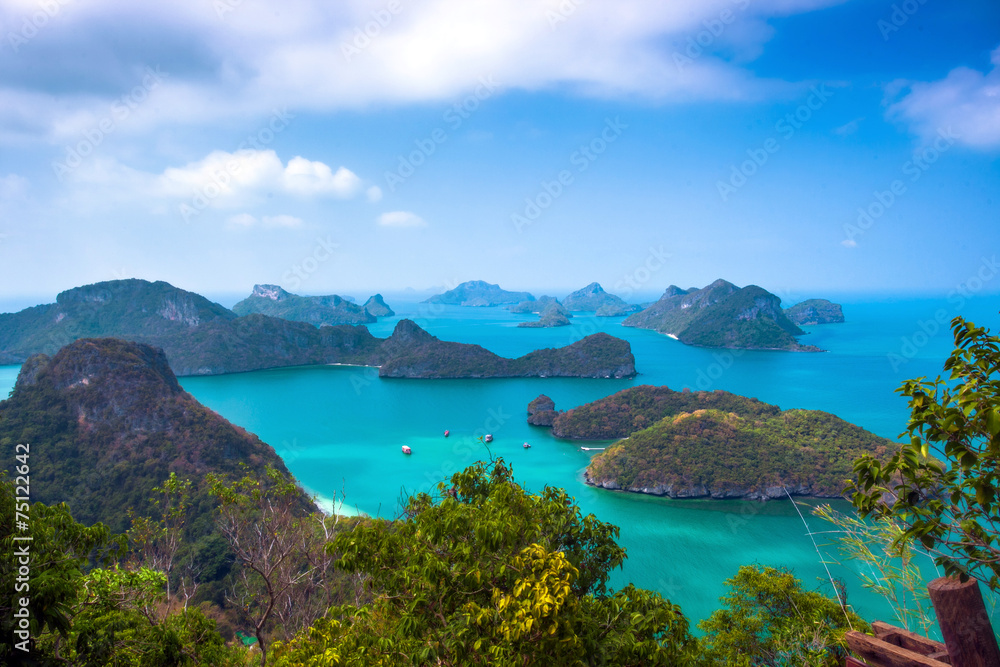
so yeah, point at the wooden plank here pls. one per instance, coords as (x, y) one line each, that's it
(909, 640)
(851, 662)
(965, 625)
(879, 653)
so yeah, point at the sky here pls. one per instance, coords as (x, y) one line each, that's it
(811, 147)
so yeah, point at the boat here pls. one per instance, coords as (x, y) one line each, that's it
(488, 437)
(526, 445)
(447, 433)
(407, 450)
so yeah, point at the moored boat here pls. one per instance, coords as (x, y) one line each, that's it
(447, 433)
(407, 450)
(526, 445)
(488, 437)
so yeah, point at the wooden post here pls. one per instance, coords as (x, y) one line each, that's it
(965, 625)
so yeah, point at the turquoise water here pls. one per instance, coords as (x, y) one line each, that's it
(339, 429)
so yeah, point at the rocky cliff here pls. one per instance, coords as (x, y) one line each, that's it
(815, 311)
(273, 301)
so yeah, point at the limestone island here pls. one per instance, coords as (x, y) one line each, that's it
(594, 299)
(712, 444)
(815, 311)
(479, 293)
(722, 315)
(554, 315)
(272, 300)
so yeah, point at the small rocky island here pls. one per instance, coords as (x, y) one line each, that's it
(712, 444)
(554, 315)
(722, 315)
(479, 293)
(594, 299)
(273, 301)
(376, 306)
(535, 305)
(815, 311)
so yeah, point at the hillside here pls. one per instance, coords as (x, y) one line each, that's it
(554, 315)
(479, 293)
(378, 307)
(535, 305)
(815, 311)
(273, 301)
(593, 298)
(712, 453)
(722, 315)
(107, 421)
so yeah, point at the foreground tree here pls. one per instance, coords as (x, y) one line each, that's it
(489, 574)
(953, 509)
(769, 620)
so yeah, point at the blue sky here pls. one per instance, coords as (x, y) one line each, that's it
(812, 147)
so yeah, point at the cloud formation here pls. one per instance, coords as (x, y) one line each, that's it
(401, 219)
(968, 101)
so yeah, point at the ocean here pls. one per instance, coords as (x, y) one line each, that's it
(339, 429)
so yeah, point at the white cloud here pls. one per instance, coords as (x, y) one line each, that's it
(849, 243)
(401, 219)
(281, 221)
(311, 57)
(374, 193)
(245, 221)
(241, 220)
(967, 101)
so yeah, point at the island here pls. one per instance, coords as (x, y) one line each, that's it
(111, 422)
(554, 315)
(722, 315)
(542, 411)
(815, 311)
(200, 337)
(593, 298)
(713, 445)
(479, 293)
(272, 300)
(377, 307)
(535, 305)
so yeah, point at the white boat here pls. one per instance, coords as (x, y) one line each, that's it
(526, 445)
(488, 437)
(407, 450)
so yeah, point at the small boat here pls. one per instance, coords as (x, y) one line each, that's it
(407, 450)
(488, 437)
(526, 445)
(447, 433)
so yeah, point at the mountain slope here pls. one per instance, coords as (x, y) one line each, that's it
(815, 311)
(593, 298)
(479, 293)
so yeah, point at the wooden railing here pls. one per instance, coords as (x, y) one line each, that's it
(965, 626)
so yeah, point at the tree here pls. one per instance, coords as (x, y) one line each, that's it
(768, 620)
(488, 574)
(953, 508)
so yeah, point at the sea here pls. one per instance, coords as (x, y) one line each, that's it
(340, 430)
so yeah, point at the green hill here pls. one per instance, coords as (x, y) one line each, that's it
(479, 293)
(316, 310)
(815, 311)
(593, 298)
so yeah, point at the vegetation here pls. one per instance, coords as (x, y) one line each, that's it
(491, 575)
(593, 298)
(725, 455)
(953, 510)
(636, 408)
(554, 315)
(722, 315)
(768, 620)
(273, 301)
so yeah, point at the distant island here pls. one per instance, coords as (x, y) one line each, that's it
(535, 305)
(203, 338)
(377, 306)
(815, 311)
(479, 293)
(712, 444)
(554, 315)
(722, 315)
(272, 300)
(593, 298)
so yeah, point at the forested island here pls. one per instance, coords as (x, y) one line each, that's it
(815, 311)
(479, 293)
(200, 337)
(272, 300)
(713, 444)
(722, 315)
